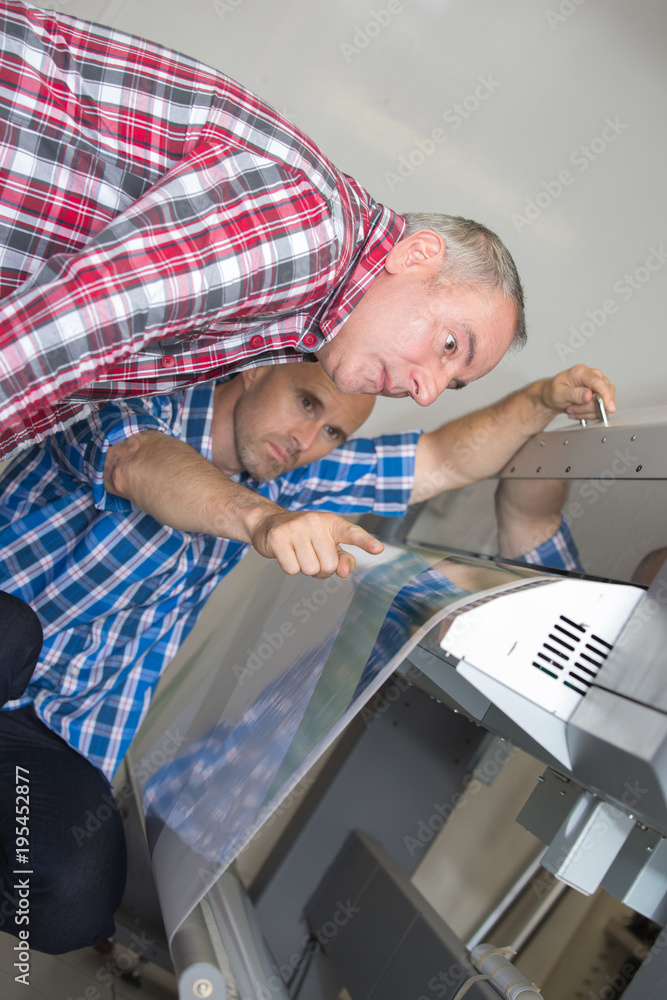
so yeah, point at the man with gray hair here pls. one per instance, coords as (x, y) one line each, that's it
(163, 226)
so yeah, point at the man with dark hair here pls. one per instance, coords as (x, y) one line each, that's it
(117, 530)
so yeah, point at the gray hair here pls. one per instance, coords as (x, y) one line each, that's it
(474, 256)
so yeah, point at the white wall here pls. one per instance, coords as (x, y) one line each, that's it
(371, 80)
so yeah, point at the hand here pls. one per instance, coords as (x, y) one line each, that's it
(573, 392)
(309, 542)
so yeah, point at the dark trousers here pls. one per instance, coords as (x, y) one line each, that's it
(62, 846)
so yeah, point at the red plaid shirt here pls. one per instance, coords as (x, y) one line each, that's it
(159, 225)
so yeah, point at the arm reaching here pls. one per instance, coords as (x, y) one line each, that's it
(478, 445)
(177, 486)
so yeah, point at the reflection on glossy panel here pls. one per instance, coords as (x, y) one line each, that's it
(619, 527)
(269, 692)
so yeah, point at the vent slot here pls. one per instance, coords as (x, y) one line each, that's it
(572, 655)
(557, 638)
(545, 671)
(574, 638)
(554, 663)
(586, 670)
(589, 659)
(568, 621)
(558, 652)
(582, 680)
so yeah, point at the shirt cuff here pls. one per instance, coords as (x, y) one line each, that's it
(116, 422)
(395, 472)
(558, 552)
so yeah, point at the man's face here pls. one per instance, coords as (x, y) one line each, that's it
(291, 415)
(411, 335)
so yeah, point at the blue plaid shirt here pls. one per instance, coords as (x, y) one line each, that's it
(116, 591)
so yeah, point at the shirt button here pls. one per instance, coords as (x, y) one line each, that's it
(257, 341)
(168, 361)
(309, 340)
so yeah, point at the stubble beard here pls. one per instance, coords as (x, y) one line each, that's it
(254, 459)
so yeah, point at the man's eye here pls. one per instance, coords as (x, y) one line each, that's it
(450, 344)
(332, 432)
(306, 403)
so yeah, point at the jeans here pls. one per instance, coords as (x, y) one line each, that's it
(73, 876)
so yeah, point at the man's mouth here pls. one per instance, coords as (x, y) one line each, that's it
(284, 457)
(389, 390)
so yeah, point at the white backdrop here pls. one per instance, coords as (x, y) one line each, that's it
(544, 119)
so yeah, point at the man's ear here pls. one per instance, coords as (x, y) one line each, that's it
(249, 376)
(425, 249)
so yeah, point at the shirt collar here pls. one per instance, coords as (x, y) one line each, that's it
(198, 417)
(384, 231)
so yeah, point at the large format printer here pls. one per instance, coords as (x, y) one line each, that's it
(565, 667)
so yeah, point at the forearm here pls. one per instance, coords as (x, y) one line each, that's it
(528, 512)
(177, 486)
(479, 444)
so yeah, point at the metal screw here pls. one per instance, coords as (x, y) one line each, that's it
(634, 437)
(566, 441)
(603, 440)
(202, 988)
(568, 468)
(538, 469)
(513, 468)
(541, 778)
(542, 444)
(638, 469)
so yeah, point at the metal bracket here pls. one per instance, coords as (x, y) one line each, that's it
(594, 452)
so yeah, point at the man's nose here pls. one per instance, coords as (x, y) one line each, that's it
(425, 390)
(304, 435)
